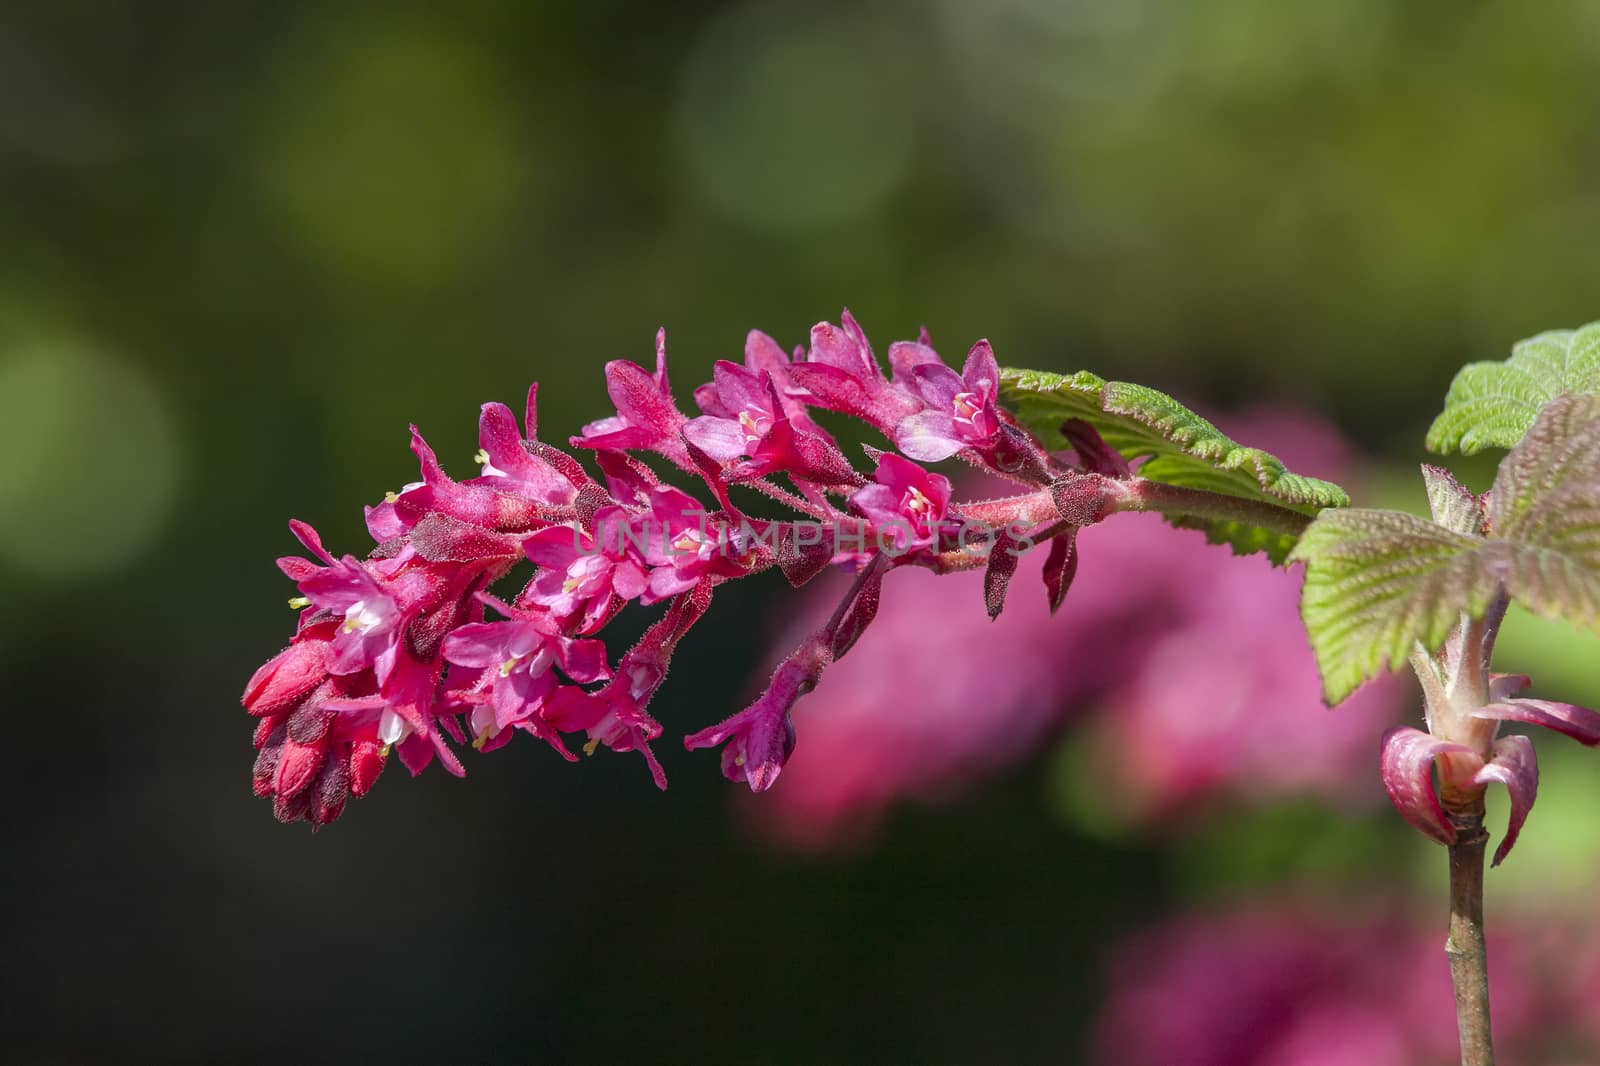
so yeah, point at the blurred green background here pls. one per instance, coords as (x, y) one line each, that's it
(245, 245)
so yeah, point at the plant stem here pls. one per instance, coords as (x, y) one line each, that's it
(1469, 962)
(1179, 500)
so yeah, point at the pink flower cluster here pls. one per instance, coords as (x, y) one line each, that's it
(395, 653)
(1189, 672)
(1285, 985)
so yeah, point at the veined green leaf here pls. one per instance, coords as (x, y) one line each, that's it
(1378, 581)
(1546, 499)
(1491, 405)
(1179, 446)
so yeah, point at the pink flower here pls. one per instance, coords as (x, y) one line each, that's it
(841, 374)
(362, 674)
(520, 463)
(582, 575)
(740, 410)
(746, 417)
(306, 769)
(616, 715)
(367, 670)
(961, 411)
(490, 503)
(310, 762)
(369, 633)
(763, 356)
(517, 658)
(905, 504)
(684, 545)
(761, 737)
(647, 416)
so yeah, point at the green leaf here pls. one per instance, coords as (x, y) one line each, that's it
(1379, 581)
(1491, 405)
(1453, 505)
(1181, 448)
(1546, 500)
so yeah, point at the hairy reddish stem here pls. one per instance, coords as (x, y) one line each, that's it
(1469, 961)
(1180, 501)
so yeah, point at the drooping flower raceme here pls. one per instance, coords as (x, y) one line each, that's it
(394, 652)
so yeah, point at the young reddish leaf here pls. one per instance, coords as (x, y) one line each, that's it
(1579, 723)
(1407, 762)
(1514, 765)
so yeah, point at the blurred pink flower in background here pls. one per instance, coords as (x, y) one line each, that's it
(1288, 985)
(1190, 666)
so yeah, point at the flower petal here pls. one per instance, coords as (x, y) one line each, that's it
(928, 436)
(840, 346)
(937, 384)
(981, 372)
(906, 356)
(1506, 686)
(997, 577)
(824, 385)
(481, 644)
(1407, 763)
(1060, 567)
(641, 399)
(584, 660)
(1514, 765)
(1579, 723)
(557, 547)
(720, 438)
(762, 353)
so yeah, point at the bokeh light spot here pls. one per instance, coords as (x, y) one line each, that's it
(92, 461)
(793, 119)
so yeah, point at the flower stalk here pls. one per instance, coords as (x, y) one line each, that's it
(1180, 501)
(1469, 962)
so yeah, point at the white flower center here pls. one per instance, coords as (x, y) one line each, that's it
(755, 422)
(541, 662)
(690, 542)
(361, 617)
(392, 728)
(639, 679)
(481, 722)
(580, 571)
